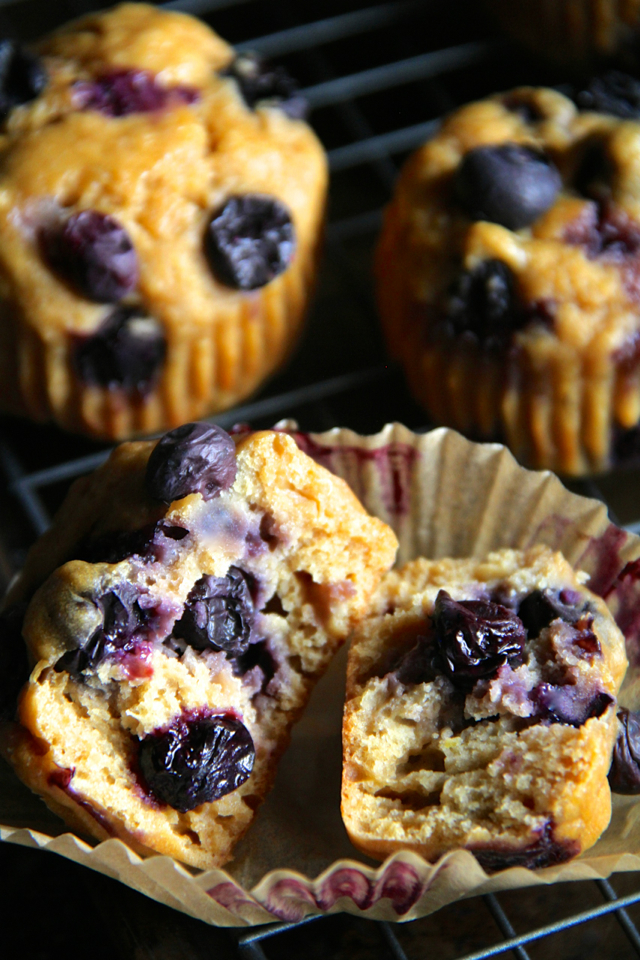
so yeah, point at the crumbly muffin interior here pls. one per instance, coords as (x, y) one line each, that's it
(511, 764)
(213, 611)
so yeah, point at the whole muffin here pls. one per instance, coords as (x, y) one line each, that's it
(508, 274)
(575, 32)
(161, 204)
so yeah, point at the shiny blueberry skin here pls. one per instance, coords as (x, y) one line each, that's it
(260, 82)
(483, 303)
(475, 638)
(250, 241)
(122, 92)
(122, 621)
(195, 458)
(624, 775)
(126, 352)
(196, 761)
(22, 76)
(614, 92)
(507, 184)
(218, 614)
(93, 252)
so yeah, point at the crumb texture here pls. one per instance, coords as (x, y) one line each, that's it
(481, 712)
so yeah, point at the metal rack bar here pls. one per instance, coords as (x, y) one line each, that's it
(400, 72)
(331, 29)
(383, 145)
(200, 6)
(504, 924)
(622, 916)
(584, 917)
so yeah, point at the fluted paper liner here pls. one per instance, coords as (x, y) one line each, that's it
(444, 496)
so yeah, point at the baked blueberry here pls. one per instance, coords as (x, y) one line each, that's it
(218, 614)
(118, 93)
(483, 302)
(624, 775)
(262, 83)
(22, 76)
(122, 623)
(569, 704)
(420, 663)
(196, 761)
(249, 241)
(195, 458)
(94, 253)
(127, 351)
(152, 543)
(475, 637)
(614, 92)
(508, 184)
(539, 608)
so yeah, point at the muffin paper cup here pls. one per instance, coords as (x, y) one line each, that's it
(444, 496)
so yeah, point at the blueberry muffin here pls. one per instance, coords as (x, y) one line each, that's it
(161, 203)
(575, 32)
(508, 274)
(178, 613)
(481, 712)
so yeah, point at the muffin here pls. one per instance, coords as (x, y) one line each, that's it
(160, 214)
(481, 712)
(507, 274)
(178, 613)
(574, 32)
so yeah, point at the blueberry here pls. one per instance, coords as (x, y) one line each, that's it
(14, 663)
(419, 664)
(538, 609)
(22, 76)
(614, 92)
(218, 614)
(196, 761)
(508, 184)
(126, 352)
(121, 92)
(483, 302)
(249, 241)
(257, 655)
(148, 544)
(122, 622)
(195, 458)
(545, 851)
(260, 82)
(568, 704)
(93, 252)
(475, 638)
(624, 775)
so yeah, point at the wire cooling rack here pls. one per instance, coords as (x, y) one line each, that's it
(377, 78)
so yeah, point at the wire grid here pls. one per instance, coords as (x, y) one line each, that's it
(377, 152)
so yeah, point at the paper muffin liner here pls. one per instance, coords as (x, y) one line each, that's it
(444, 496)
(571, 31)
